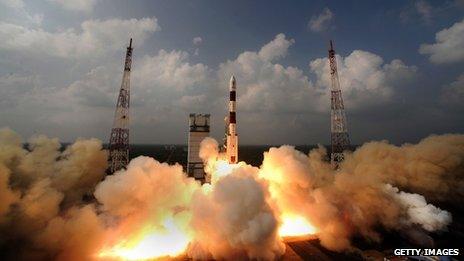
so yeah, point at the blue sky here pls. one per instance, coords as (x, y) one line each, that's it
(61, 66)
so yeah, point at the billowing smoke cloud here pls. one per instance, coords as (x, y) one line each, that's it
(434, 167)
(359, 196)
(232, 217)
(235, 218)
(152, 209)
(42, 189)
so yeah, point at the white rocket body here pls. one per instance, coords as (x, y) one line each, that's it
(232, 138)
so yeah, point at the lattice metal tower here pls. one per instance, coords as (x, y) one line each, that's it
(119, 138)
(339, 132)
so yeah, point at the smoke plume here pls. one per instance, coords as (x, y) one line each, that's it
(153, 209)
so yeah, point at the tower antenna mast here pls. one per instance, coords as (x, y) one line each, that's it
(119, 138)
(339, 133)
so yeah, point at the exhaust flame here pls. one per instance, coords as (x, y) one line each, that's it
(295, 226)
(222, 168)
(150, 243)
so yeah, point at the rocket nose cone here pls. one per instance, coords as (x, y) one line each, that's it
(232, 80)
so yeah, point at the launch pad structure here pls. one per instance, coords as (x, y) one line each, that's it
(340, 140)
(199, 128)
(118, 157)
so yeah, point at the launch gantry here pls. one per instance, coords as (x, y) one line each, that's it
(339, 132)
(118, 157)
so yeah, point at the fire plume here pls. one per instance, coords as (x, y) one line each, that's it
(150, 243)
(295, 226)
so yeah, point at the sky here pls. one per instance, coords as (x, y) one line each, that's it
(401, 68)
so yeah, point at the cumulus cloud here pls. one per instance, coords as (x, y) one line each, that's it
(296, 98)
(168, 85)
(263, 83)
(276, 48)
(97, 89)
(95, 37)
(448, 46)
(89, 100)
(164, 80)
(364, 78)
(320, 22)
(76, 5)
(170, 70)
(169, 79)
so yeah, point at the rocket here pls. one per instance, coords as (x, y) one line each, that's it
(232, 138)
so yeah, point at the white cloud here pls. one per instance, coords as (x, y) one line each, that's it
(283, 100)
(271, 97)
(321, 22)
(264, 85)
(197, 40)
(364, 78)
(276, 48)
(167, 86)
(76, 5)
(83, 108)
(95, 37)
(169, 80)
(169, 70)
(164, 89)
(453, 94)
(98, 88)
(158, 81)
(449, 45)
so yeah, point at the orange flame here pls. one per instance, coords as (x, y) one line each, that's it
(221, 168)
(170, 241)
(294, 226)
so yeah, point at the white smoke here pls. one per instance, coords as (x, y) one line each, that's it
(419, 212)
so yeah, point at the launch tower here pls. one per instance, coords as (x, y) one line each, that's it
(198, 130)
(119, 138)
(339, 132)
